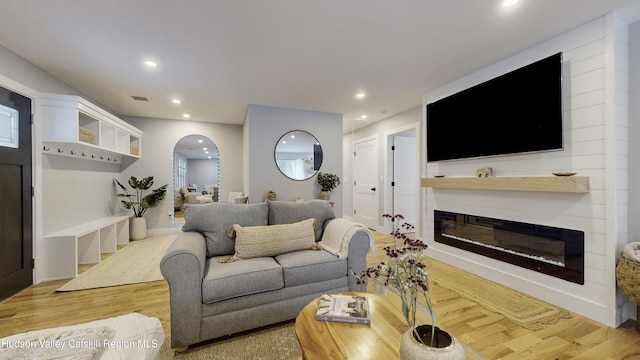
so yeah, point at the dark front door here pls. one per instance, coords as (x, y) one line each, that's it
(16, 235)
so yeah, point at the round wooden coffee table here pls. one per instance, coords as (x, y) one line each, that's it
(334, 340)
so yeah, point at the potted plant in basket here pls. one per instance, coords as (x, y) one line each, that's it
(327, 183)
(139, 203)
(405, 274)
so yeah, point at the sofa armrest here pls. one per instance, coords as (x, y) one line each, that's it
(357, 260)
(183, 267)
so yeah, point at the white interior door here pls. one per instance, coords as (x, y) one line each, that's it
(405, 177)
(365, 175)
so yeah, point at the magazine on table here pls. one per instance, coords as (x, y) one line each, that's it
(344, 308)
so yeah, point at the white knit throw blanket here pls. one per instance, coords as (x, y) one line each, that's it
(75, 344)
(337, 235)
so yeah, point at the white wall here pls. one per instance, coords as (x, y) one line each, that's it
(398, 123)
(634, 132)
(55, 179)
(264, 125)
(202, 172)
(76, 191)
(18, 69)
(158, 141)
(594, 111)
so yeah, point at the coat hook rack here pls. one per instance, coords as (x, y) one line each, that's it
(71, 151)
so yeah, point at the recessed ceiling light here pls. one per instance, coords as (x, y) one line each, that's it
(200, 140)
(361, 95)
(205, 149)
(363, 116)
(293, 136)
(509, 2)
(176, 101)
(186, 116)
(206, 152)
(209, 157)
(151, 64)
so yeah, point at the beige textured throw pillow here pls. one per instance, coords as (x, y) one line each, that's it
(272, 240)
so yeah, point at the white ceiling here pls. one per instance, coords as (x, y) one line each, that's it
(220, 56)
(197, 147)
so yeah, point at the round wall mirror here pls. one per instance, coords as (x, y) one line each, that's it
(298, 155)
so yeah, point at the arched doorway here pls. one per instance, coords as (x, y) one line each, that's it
(196, 174)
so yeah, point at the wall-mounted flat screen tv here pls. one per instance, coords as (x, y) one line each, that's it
(517, 112)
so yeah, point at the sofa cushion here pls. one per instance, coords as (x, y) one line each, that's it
(243, 277)
(213, 220)
(288, 212)
(307, 266)
(271, 240)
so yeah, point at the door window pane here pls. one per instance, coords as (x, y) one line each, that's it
(9, 136)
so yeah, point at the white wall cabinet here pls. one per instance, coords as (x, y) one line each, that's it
(73, 126)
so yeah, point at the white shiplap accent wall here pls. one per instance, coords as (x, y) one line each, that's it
(590, 84)
(619, 108)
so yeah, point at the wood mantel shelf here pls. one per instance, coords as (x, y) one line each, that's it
(564, 184)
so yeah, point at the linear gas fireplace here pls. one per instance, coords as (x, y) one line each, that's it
(553, 251)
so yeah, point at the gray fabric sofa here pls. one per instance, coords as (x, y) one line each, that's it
(209, 299)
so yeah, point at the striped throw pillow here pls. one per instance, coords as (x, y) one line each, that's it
(272, 240)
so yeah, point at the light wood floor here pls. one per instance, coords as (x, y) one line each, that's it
(488, 333)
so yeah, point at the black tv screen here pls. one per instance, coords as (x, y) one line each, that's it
(517, 112)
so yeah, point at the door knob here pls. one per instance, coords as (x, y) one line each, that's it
(373, 189)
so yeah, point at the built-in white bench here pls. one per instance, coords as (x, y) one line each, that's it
(62, 251)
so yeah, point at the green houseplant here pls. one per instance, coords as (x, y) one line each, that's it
(327, 183)
(139, 202)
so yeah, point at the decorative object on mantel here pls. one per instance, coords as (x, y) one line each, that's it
(404, 273)
(484, 172)
(271, 195)
(141, 203)
(327, 183)
(564, 173)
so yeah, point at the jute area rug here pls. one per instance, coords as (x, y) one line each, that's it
(276, 342)
(523, 310)
(137, 262)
